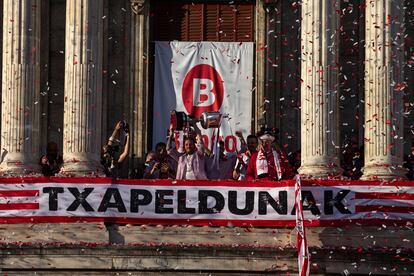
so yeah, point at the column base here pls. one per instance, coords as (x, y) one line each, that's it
(81, 168)
(18, 168)
(320, 172)
(383, 172)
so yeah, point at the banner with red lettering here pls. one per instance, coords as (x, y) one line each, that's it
(194, 77)
(218, 203)
(301, 241)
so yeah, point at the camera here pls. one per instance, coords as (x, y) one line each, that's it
(125, 126)
(112, 148)
(115, 148)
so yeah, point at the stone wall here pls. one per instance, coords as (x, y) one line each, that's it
(81, 249)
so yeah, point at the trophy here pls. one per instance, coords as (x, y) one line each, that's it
(210, 119)
(181, 121)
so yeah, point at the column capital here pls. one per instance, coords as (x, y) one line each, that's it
(137, 6)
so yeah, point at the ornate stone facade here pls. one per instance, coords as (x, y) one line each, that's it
(107, 77)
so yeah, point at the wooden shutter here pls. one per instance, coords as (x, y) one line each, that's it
(227, 23)
(194, 22)
(244, 23)
(197, 21)
(211, 22)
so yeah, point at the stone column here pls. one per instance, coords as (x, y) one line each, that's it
(384, 76)
(139, 76)
(319, 89)
(83, 87)
(259, 92)
(20, 87)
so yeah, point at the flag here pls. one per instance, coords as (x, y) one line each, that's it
(195, 77)
(216, 150)
(301, 242)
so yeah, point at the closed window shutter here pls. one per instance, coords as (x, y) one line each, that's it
(244, 22)
(227, 23)
(195, 22)
(186, 21)
(211, 22)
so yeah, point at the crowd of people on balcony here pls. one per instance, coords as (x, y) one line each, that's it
(260, 157)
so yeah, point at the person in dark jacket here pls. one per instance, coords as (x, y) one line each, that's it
(51, 162)
(109, 155)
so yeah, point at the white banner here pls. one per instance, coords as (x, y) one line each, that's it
(301, 241)
(236, 203)
(194, 77)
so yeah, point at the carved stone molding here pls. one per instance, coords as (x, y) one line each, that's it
(137, 6)
(138, 77)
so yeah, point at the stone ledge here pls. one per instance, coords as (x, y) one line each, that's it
(352, 236)
(202, 259)
(83, 247)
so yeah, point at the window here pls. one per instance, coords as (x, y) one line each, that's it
(211, 21)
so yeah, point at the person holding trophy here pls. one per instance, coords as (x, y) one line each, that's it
(197, 162)
(192, 163)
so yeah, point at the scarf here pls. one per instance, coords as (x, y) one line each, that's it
(262, 166)
(216, 150)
